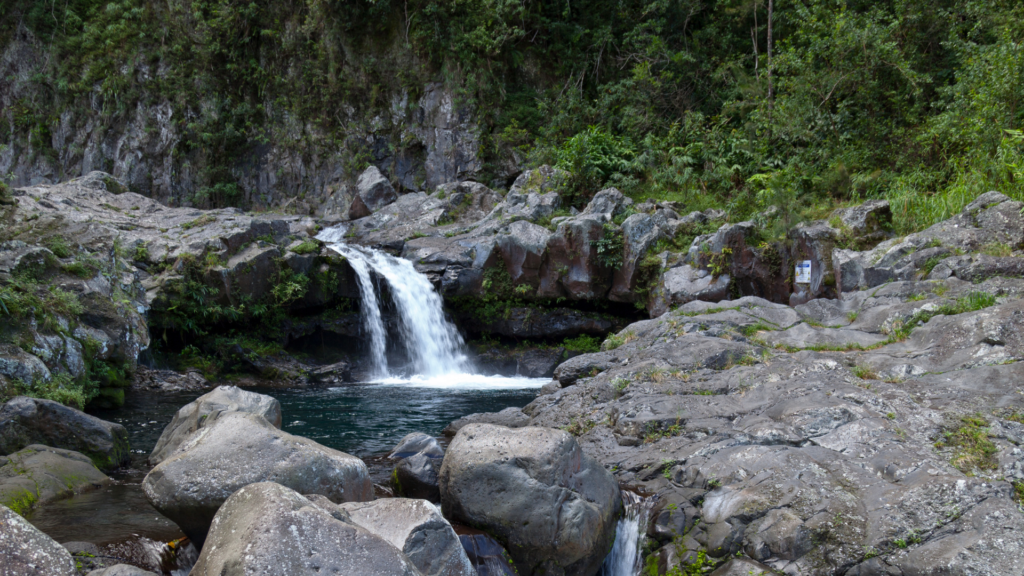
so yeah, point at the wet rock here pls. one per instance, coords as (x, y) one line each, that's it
(373, 192)
(194, 415)
(534, 489)
(336, 373)
(235, 449)
(418, 529)
(25, 421)
(270, 529)
(487, 555)
(28, 552)
(38, 474)
(511, 417)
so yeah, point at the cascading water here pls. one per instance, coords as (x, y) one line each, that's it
(433, 345)
(624, 559)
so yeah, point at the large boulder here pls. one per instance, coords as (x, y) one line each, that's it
(38, 474)
(28, 552)
(373, 192)
(417, 528)
(25, 421)
(195, 414)
(553, 507)
(234, 449)
(268, 529)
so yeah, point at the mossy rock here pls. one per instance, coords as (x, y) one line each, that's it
(38, 474)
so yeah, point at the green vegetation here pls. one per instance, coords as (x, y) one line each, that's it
(199, 222)
(307, 247)
(615, 340)
(583, 343)
(969, 441)
(918, 102)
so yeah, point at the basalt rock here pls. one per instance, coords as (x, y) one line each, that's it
(28, 552)
(196, 414)
(373, 192)
(418, 529)
(25, 421)
(533, 489)
(267, 528)
(990, 222)
(235, 449)
(38, 474)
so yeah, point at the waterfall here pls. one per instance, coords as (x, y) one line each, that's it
(432, 344)
(624, 559)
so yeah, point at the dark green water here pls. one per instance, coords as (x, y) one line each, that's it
(360, 419)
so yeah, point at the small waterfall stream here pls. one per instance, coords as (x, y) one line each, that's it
(432, 344)
(625, 559)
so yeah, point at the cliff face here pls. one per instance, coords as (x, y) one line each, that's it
(197, 143)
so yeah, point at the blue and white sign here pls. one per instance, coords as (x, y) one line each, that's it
(803, 272)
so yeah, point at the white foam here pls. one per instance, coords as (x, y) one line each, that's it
(464, 381)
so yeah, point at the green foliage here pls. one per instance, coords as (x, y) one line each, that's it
(918, 102)
(972, 449)
(306, 247)
(58, 245)
(583, 343)
(610, 247)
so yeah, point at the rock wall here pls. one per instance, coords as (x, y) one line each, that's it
(418, 143)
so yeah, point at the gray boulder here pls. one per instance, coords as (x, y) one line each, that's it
(28, 552)
(25, 421)
(418, 529)
(417, 443)
(195, 414)
(38, 474)
(534, 490)
(373, 192)
(268, 529)
(234, 449)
